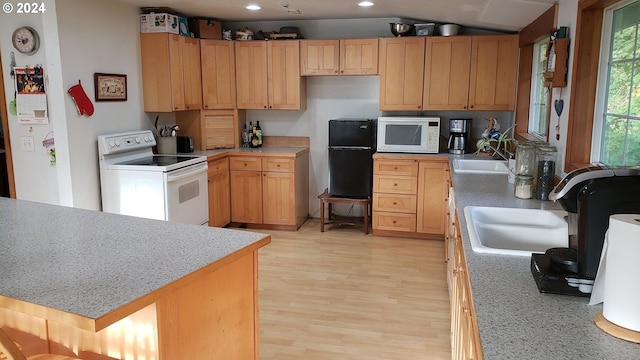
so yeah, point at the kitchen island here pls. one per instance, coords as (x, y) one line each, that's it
(514, 319)
(102, 286)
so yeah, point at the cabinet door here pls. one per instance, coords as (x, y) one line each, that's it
(446, 75)
(220, 129)
(191, 73)
(319, 57)
(359, 57)
(162, 84)
(279, 202)
(401, 73)
(433, 189)
(218, 74)
(286, 91)
(219, 199)
(251, 74)
(246, 196)
(494, 61)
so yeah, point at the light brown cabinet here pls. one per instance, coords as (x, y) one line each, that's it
(268, 75)
(218, 74)
(433, 190)
(339, 57)
(401, 63)
(270, 190)
(446, 74)
(171, 72)
(395, 185)
(465, 336)
(212, 129)
(246, 189)
(219, 193)
(494, 61)
(410, 195)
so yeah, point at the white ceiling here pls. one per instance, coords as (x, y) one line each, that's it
(509, 15)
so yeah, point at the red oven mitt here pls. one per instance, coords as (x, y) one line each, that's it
(83, 104)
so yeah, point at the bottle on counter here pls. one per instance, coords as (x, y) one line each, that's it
(245, 136)
(546, 159)
(259, 133)
(254, 140)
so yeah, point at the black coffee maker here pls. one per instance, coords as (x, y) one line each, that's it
(589, 195)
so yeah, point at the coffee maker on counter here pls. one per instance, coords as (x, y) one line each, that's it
(459, 130)
(589, 195)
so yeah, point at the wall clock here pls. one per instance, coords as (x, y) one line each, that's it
(26, 40)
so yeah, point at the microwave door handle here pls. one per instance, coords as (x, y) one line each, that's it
(178, 175)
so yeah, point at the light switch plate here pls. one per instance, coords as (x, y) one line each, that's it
(27, 143)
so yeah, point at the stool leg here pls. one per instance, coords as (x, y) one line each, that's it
(366, 218)
(321, 216)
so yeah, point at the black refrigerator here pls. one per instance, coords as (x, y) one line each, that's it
(352, 143)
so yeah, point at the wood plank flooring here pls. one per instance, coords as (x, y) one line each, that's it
(343, 295)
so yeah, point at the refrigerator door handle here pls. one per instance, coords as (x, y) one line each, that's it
(350, 148)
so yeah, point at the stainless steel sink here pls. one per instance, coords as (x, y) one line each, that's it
(514, 231)
(479, 166)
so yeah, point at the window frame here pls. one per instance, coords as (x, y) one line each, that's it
(588, 38)
(536, 85)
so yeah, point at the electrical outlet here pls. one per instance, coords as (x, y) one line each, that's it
(27, 143)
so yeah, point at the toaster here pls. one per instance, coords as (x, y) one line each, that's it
(184, 144)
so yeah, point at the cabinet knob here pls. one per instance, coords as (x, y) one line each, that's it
(395, 184)
(395, 203)
(278, 165)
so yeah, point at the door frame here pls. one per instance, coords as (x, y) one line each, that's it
(7, 141)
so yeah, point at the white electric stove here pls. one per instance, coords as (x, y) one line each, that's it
(135, 181)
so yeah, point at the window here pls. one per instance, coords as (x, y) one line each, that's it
(616, 139)
(539, 108)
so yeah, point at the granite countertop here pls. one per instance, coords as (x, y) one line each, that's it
(263, 151)
(515, 320)
(90, 263)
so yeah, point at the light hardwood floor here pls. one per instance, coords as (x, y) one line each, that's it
(342, 295)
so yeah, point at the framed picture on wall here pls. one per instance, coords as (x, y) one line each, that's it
(110, 87)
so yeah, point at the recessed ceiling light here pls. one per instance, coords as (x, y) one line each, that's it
(253, 7)
(365, 3)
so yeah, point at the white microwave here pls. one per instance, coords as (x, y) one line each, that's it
(408, 134)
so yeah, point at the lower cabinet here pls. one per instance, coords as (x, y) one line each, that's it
(410, 194)
(465, 337)
(219, 193)
(268, 190)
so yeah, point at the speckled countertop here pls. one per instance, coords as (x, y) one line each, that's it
(515, 320)
(89, 263)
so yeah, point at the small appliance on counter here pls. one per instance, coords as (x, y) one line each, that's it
(185, 144)
(458, 135)
(590, 196)
(417, 135)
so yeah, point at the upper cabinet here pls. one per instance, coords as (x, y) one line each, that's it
(456, 73)
(171, 72)
(494, 65)
(218, 74)
(446, 75)
(401, 73)
(339, 57)
(268, 75)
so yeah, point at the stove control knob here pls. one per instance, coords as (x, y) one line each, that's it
(118, 143)
(112, 143)
(137, 140)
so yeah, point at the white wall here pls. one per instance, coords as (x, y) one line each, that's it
(79, 38)
(34, 177)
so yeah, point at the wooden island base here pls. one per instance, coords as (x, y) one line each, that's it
(209, 314)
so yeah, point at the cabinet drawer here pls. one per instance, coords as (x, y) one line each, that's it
(217, 166)
(395, 184)
(394, 203)
(395, 167)
(394, 221)
(245, 163)
(278, 164)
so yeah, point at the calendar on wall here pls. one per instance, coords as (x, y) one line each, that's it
(31, 97)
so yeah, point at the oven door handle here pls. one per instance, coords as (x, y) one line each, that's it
(190, 171)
